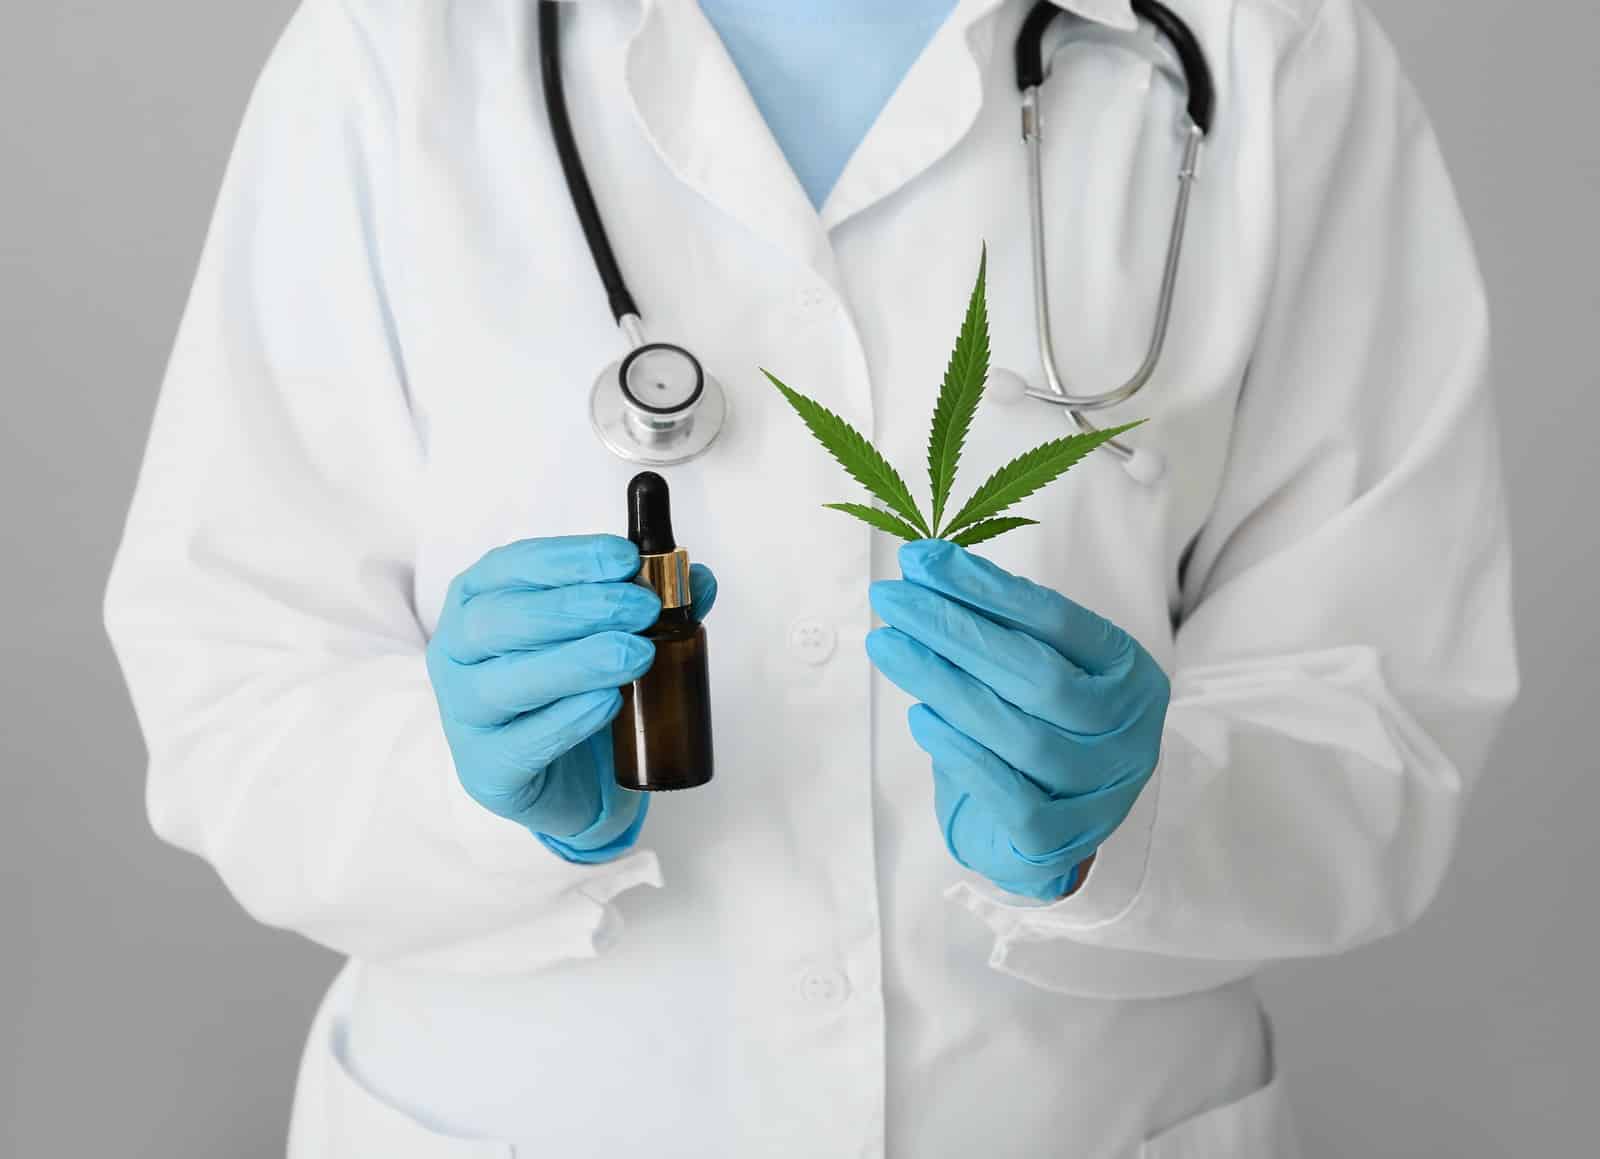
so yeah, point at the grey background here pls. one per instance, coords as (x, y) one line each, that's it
(142, 1013)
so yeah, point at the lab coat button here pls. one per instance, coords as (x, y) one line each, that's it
(813, 299)
(824, 987)
(812, 641)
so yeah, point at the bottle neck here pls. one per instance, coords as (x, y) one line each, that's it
(674, 620)
(667, 574)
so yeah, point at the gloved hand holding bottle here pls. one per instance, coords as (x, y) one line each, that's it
(534, 641)
(1043, 720)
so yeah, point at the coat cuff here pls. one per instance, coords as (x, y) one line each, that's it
(572, 918)
(1052, 945)
(578, 924)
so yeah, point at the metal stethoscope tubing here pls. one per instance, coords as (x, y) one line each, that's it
(1031, 74)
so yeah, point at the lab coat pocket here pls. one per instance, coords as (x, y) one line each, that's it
(1257, 1126)
(337, 1116)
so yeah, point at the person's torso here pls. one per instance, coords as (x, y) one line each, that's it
(800, 981)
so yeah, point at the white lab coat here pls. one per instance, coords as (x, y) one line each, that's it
(383, 371)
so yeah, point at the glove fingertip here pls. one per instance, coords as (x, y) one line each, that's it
(702, 590)
(615, 557)
(935, 736)
(919, 552)
(883, 645)
(920, 718)
(889, 597)
(637, 608)
(628, 656)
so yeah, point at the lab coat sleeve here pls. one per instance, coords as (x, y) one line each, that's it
(261, 602)
(1346, 650)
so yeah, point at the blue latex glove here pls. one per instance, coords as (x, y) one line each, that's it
(533, 644)
(1043, 719)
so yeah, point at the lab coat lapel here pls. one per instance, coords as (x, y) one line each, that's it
(700, 117)
(937, 103)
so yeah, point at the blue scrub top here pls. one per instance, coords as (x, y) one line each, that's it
(821, 71)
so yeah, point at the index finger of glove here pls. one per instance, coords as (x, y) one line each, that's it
(1089, 640)
(521, 619)
(498, 690)
(1021, 669)
(551, 563)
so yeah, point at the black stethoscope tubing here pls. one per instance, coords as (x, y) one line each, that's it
(555, 103)
(1197, 75)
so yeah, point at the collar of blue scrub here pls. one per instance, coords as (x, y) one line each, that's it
(1114, 13)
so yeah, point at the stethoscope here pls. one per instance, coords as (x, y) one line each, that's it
(659, 406)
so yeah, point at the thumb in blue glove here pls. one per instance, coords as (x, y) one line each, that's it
(1043, 720)
(533, 644)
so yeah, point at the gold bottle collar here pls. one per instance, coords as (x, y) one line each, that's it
(667, 575)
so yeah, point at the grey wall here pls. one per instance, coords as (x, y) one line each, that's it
(142, 1014)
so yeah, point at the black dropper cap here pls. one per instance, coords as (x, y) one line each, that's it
(650, 514)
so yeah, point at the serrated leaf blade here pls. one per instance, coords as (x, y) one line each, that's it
(990, 528)
(1028, 472)
(882, 520)
(960, 393)
(855, 454)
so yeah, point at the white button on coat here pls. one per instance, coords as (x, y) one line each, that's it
(383, 372)
(824, 987)
(812, 641)
(814, 299)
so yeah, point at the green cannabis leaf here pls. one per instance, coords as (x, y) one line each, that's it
(980, 518)
(959, 395)
(856, 455)
(882, 520)
(990, 528)
(1027, 473)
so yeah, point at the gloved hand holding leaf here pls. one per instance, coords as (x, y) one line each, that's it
(1042, 719)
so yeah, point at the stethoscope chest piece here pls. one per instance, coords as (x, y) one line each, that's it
(657, 406)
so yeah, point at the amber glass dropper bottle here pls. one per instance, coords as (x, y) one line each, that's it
(662, 736)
